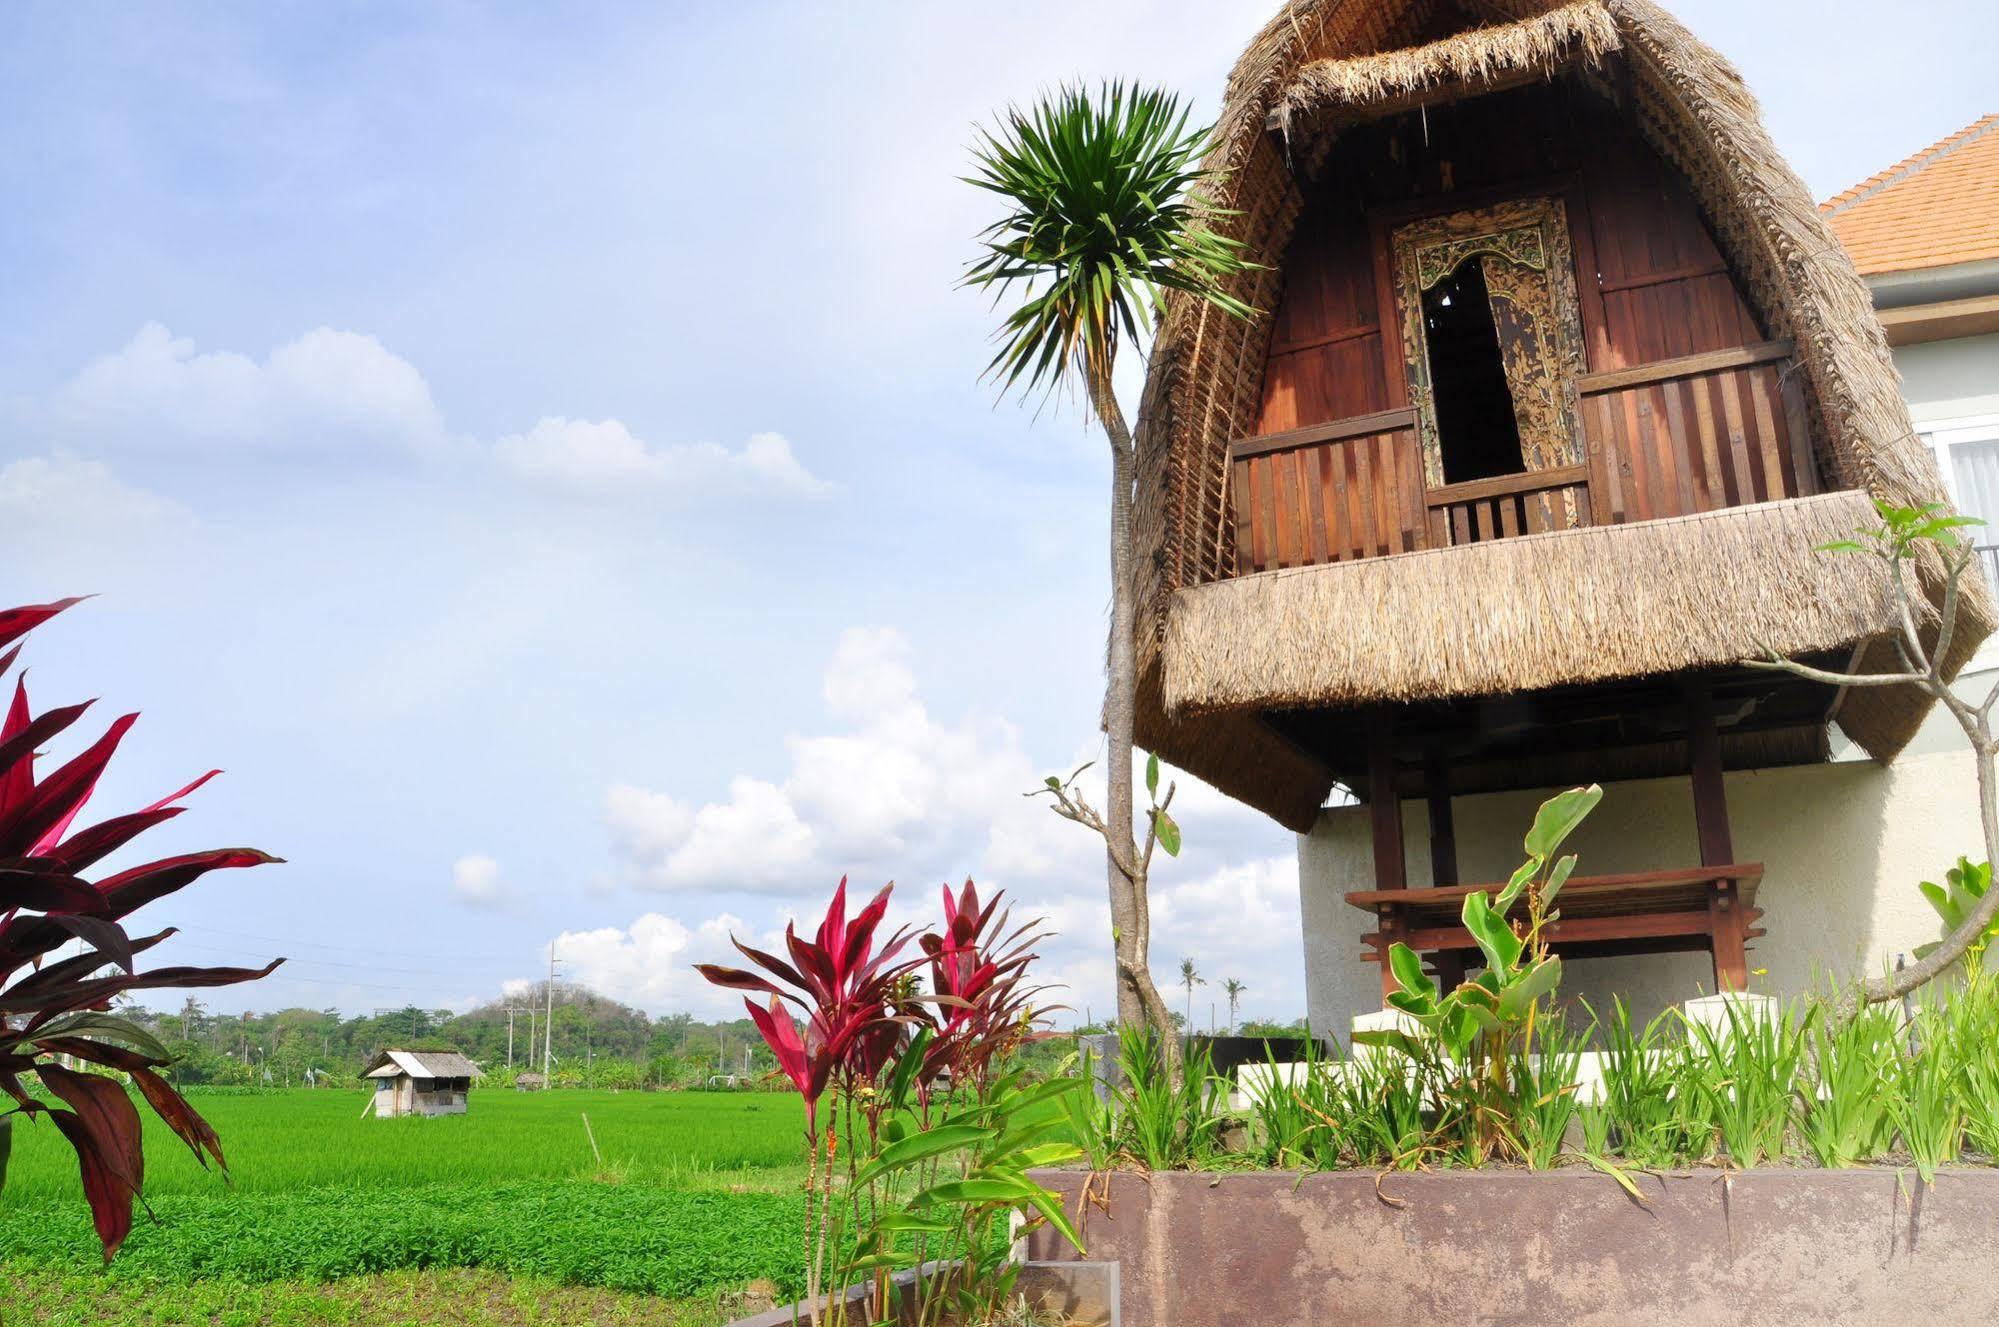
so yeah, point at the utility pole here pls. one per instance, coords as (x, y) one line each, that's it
(548, 1021)
(510, 1036)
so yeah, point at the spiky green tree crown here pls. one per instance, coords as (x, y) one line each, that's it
(1105, 215)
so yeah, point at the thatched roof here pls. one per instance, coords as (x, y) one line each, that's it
(1211, 652)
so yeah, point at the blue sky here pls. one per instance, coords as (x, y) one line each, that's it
(540, 453)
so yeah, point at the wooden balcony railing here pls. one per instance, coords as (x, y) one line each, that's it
(1508, 505)
(1668, 439)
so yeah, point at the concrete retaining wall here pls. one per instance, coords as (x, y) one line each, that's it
(1763, 1248)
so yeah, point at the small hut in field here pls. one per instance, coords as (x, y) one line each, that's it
(421, 1082)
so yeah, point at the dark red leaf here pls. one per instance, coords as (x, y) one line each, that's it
(770, 963)
(109, 1123)
(71, 969)
(87, 847)
(18, 622)
(738, 980)
(19, 745)
(182, 1118)
(26, 883)
(17, 777)
(55, 800)
(128, 891)
(123, 1058)
(86, 994)
(107, 938)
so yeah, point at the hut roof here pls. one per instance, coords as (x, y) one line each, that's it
(1209, 659)
(1937, 208)
(421, 1064)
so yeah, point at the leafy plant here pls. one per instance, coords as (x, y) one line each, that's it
(1925, 1096)
(1470, 1042)
(1955, 901)
(1843, 1097)
(1745, 1074)
(1643, 1118)
(58, 1007)
(1163, 1121)
(939, 1130)
(1298, 1116)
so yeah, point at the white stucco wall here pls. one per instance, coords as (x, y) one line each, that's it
(1945, 380)
(1843, 846)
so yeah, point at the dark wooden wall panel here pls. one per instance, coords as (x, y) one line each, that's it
(1325, 352)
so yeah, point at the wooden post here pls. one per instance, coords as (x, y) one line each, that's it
(1384, 810)
(1443, 853)
(1384, 805)
(1710, 798)
(1726, 925)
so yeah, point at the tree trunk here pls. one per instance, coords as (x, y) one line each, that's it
(1138, 998)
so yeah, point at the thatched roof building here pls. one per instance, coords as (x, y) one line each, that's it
(1710, 393)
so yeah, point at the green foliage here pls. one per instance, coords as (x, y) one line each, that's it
(1470, 1043)
(624, 1237)
(1844, 1115)
(1155, 1122)
(285, 1141)
(1746, 1074)
(1102, 215)
(1954, 901)
(1926, 1094)
(1903, 529)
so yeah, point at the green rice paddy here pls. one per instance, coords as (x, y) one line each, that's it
(694, 1198)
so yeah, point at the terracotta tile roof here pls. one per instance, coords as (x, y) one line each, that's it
(1935, 209)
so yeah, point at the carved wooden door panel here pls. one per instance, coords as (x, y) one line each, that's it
(1523, 252)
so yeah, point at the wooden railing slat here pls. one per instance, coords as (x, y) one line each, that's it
(1685, 366)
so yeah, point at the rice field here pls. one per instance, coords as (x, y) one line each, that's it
(695, 1198)
(279, 1142)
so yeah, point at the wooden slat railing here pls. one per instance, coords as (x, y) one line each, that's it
(1696, 434)
(1680, 436)
(1330, 493)
(1507, 505)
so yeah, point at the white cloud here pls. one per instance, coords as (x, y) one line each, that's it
(326, 389)
(345, 392)
(74, 524)
(892, 792)
(476, 881)
(604, 454)
(650, 963)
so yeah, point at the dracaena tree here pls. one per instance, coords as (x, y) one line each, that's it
(58, 1006)
(1104, 213)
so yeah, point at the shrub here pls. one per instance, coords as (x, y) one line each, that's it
(50, 1009)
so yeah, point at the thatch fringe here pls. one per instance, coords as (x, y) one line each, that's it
(1467, 63)
(1526, 613)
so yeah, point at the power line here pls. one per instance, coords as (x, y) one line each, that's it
(319, 962)
(351, 949)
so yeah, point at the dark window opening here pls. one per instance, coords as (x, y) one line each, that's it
(1475, 426)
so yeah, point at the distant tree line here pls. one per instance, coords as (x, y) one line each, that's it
(595, 1041)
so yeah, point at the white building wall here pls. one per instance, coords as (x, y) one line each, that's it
(1843, 846)
(1947, 380)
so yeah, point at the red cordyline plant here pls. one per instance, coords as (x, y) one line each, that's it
(937, 1150)
(50, 1009)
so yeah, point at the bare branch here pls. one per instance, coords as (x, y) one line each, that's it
(1777, 663)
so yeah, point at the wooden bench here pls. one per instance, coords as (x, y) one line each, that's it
(1701, 908)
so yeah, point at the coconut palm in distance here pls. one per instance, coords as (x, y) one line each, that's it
(1190, 979)
(1103, 215)
(1233, 989)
